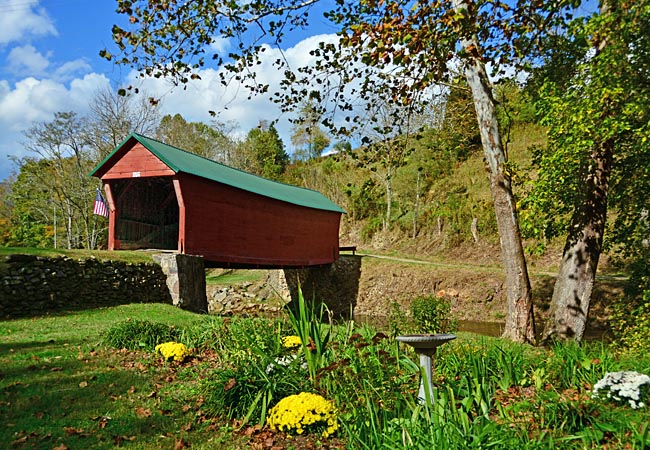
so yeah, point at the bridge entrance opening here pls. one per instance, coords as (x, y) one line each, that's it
(148, 213)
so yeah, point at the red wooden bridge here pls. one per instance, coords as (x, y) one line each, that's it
(162, 197)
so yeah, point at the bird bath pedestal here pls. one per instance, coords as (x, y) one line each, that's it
(425, 346)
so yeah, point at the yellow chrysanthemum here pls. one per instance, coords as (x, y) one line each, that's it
(291, 342)
(302, 413)
(173, 351)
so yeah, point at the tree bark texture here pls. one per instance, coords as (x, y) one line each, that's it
(520, 323)
(575, 281)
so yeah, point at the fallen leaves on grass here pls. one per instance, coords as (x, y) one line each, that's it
(102, 421)
(230, 384)
(117, 440)
(23, 439)
(142, 412)
(180, 444)
(72, 431)
(262, 438)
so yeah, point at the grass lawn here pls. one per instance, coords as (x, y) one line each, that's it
(122, 255)
(59, 388)
(232, 277)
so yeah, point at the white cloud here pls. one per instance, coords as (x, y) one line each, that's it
(37, 99)
(26, 59)
(231, 103)
(20, 19)
(67, 70)
(219, 45)
(33, 100)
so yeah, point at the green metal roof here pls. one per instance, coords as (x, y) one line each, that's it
(183, 161)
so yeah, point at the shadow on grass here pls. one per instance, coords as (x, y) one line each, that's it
(80, 400)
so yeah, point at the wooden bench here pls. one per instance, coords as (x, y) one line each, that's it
(348, 248)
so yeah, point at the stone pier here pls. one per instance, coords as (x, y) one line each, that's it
(336, 285)
(185, 280)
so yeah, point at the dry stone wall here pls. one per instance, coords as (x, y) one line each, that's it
(34, 285)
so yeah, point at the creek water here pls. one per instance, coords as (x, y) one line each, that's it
(484, 328)
(493, 329)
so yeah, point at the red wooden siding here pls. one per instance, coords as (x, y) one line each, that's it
(234, 226)
(136, 162)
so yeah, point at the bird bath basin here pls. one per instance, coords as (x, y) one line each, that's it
(425, 346)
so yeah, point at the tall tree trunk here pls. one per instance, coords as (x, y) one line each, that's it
(574, 285)
(416, 209)
(520, 323)
(575, 281)
(474, 228)
(388, 184)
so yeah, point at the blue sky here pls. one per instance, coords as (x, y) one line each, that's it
(49, 53)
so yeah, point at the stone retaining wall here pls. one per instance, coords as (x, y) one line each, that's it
(34, 285)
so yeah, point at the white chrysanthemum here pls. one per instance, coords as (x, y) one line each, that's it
(284, 361)
(622, 387)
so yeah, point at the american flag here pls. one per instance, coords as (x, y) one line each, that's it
(100, 205)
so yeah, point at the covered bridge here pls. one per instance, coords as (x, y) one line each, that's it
(161, 197)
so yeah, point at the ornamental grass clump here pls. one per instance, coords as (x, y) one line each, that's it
(292, 344)
(624, 387)
(304, 413)
(173, 351)
(139, 334)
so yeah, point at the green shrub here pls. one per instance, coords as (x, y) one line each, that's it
(633, 327)
(238, 339)
(570, 364)
(397, 320)
(431, 314)
(372, 226)
(259, 369)
(368, 366)
(630, 319)
(501, 363)
(139, 335)
(306, 320)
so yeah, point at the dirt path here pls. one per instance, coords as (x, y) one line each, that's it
(478, 267)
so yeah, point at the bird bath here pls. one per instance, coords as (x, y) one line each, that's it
(425, 346)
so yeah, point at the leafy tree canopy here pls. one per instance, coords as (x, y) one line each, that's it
(399, 47)
(264, 152)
